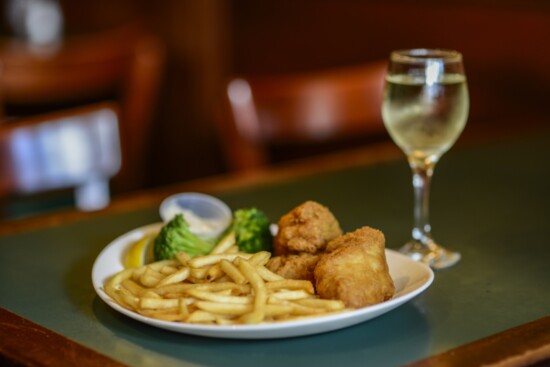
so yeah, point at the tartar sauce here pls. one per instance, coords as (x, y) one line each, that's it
(204, 227)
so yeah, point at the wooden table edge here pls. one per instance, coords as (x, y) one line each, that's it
(25, 343)
(524, 345)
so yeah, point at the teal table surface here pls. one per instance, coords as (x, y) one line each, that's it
(490, 201)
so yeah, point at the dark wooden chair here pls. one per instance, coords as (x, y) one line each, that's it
(76, 150)
(123, 64)
(293, 115)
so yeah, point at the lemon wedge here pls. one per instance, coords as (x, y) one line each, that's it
(140, 252)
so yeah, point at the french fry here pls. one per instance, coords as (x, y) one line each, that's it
(129, 300)
(267, 274)
(156, 266)
(177, 277)
(224, 308)
(225, 243)
(327, 304)
(277, 310)
(300, 310)
(112, 284)
(288, 295)
(292, 284)
(184, 311)
(209, 296)
(138, 272)
(225, 292)
(226, 321)
(223, 279)
(232, 250)
(199, 262)
(201, 316)
(118, 278)
(167, 270)
(232, 271)
(179, 313)
(260, 293)
(133, 287)
(158, 303)
(173, 295)
(183, 258)
(173, 288)
(259, 258)
(150, 294)
(198, 274)
(214, 287)
(150, 278)
(214, 272)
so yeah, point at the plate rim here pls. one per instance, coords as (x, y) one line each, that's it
(292, 328)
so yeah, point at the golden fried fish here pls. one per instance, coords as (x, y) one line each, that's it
(354, 269)
(306, 229)
(294, 266)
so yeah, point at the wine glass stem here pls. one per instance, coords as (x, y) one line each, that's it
(422, 176)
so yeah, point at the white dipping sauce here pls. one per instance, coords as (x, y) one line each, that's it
(201, 226)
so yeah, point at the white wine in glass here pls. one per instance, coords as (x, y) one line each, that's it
(425, 109)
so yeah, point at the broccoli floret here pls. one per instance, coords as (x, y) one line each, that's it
(251, 228)
(175, 236)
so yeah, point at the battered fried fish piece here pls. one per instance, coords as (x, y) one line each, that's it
(364, 235)
(307, 228)
(294, 266)
(355, 270)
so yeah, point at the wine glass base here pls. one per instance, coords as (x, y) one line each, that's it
(430, 254)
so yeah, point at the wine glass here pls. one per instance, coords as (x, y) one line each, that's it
(425, 109)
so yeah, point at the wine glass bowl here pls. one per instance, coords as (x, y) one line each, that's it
(425, 109)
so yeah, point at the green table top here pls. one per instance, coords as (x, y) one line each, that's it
(490, 202)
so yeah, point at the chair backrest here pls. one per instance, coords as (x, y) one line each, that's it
(312, 108)
(76, 149)
(124, 64)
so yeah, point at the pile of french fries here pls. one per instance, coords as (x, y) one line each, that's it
(226, 287)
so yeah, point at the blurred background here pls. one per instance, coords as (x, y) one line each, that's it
(193, 48)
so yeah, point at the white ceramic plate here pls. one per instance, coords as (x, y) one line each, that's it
(411, 278)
